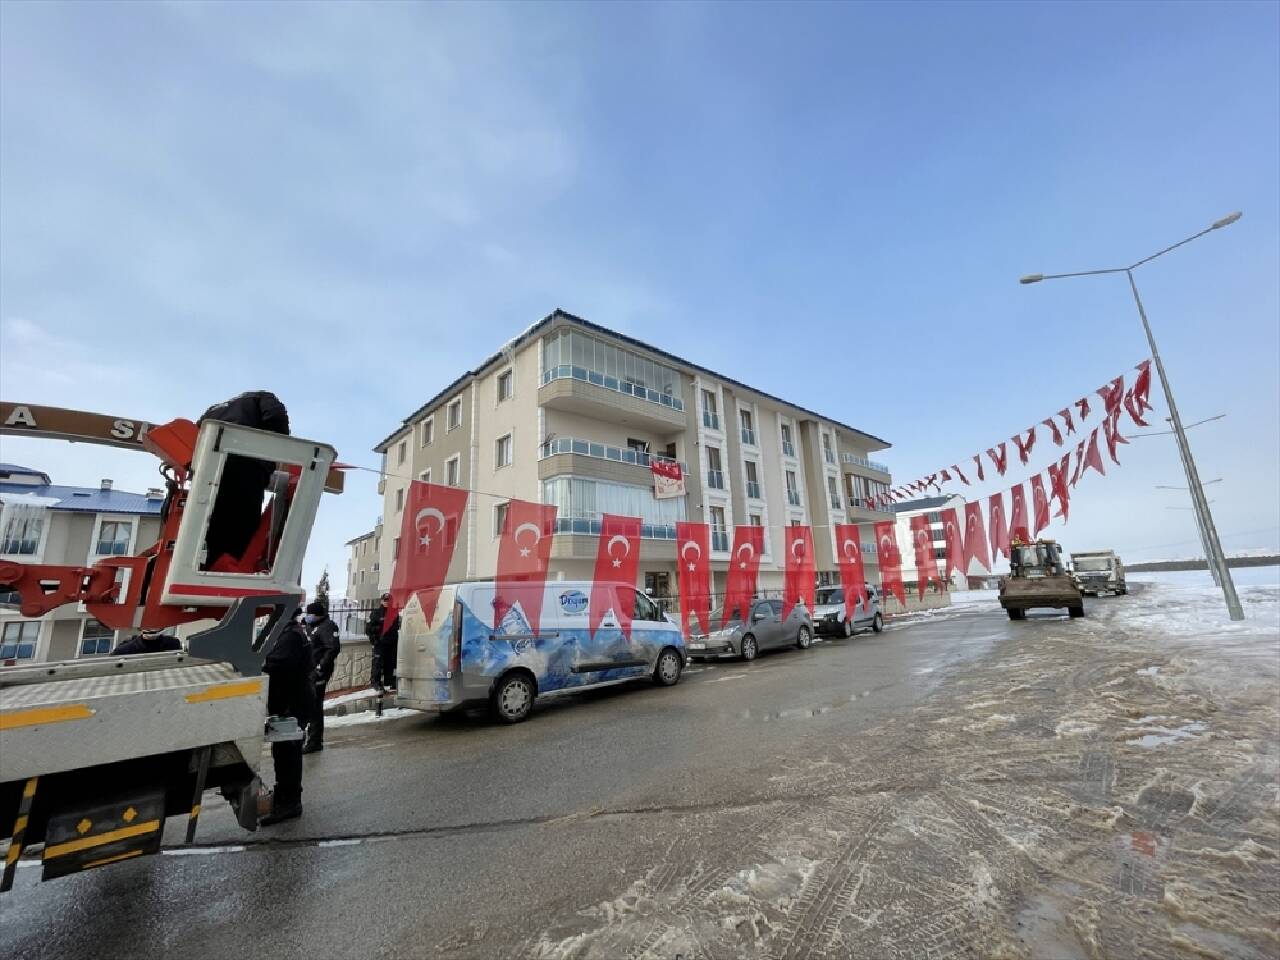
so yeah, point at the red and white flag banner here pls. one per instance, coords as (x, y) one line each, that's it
(668, 479)
(1054, 432)
(1111, 430)
(1058, 485)
(617, 562)
(693, 573)
(1024, 445)
(428, 535)
(1092, 458)
(798, 581)
(926, 562)
(953, 537)
(524, 550)
(1000, 459)
(997, 526)
(852, 566)
(744, 572)
(975, 536)
(890, 559)
(1039, 505)
(1019, 527)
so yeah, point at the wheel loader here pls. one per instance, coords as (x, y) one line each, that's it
(1038, 578)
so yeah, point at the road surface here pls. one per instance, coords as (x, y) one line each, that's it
(958, 785)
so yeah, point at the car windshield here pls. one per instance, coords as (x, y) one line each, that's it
(735, 616)
(1097, 563)
(830, 595)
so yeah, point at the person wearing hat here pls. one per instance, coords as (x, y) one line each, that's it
(288, 667)
(383, 640)
(323, 635)
(149, 640)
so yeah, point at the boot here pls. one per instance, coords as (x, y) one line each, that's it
(312, 746)
(281, 812)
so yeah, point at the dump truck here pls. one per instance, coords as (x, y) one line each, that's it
(1098, 572)
(1037, 578)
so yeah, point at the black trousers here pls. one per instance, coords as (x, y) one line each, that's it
(315, 727)
(287, 757)
(384, 664)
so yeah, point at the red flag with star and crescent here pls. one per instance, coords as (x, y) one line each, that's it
(1092, 458)
(953, 537)
(1019, 526)
(890, 559)
(853, 570)
(998, 527)
(1058, 485)
(524, 550)
(693, 572)
(926, 562)
(428, 536)
(798, 581)
(1039, 505)
(617, 561)
(744, 572)
(975, 536)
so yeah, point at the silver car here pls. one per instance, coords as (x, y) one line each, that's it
(829, 614)
(763, 629)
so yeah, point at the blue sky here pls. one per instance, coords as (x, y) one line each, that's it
(833, 203)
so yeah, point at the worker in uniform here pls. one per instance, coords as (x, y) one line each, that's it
(384, 639)
(323, 636)
(289, 694)
(148, 640)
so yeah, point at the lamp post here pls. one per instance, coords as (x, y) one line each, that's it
(1204, 539)
(1216, 558)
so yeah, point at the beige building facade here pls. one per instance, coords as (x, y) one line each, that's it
(572, 414)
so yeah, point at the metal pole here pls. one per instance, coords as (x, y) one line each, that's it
(1214, 555)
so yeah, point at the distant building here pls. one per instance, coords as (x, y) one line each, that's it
(44, 522)
(933, 507)
(363, 567)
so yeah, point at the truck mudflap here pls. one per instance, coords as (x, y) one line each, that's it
(79, 838)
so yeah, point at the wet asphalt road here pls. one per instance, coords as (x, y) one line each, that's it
(424, 835)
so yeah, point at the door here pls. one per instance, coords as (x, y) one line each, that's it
(788, 629)
(650, 630)
(658, 586)
(774, 633)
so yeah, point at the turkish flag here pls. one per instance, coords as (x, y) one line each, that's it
(798, 576)
(954, 537)
(1075, 476)
(1039, 504)
(977, 459)
(1092, 457)
(890, 560)
(960, 475)
(1058, 485)
(1142, 386)
(1001, 459)
(975, 537)
(1134, 407)
(693, 569)
(946, 477)
(524, 550)
(926, 562)
(853, 570)
(617, 560)
(1019, 528)
(998, 529)
(1083, 406)
(1112, 394)
(1065, 414)
(1052, 424)
(744, 570)
(428, 535)
(1024, 446)
(1111, 430)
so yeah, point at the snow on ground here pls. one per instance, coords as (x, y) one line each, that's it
(367, 716)
(353, 695)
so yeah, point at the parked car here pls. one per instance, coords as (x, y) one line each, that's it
(829, 615)
(763, 628)
(461, 658)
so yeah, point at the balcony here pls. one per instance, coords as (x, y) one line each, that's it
(853, 460)
(715, 479)
(788, 448)
(591, 527)
(793, 498)
(748, 437)
(859, 511)
(710, 420)
(753, 490)
(593, 394)
(720, 541)
(606, 462)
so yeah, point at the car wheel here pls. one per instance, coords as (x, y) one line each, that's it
(877, 624)
(749, 647)
(804, 639)
(666, 673)
(1076, 612)
(513, 697)
(1017, 614)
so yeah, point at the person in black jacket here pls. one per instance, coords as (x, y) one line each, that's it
(325, 645)
(147, 641)
(289, 669)
(237, 511)
(384, 646)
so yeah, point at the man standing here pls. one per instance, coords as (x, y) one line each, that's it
(288, 665)
(149, 640)
(325, 645)
(384, 641)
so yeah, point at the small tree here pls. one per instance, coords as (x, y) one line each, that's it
(322, 589)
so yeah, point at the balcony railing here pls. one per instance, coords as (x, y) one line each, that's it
(715, 479)
(788, 448)
(591, 525)
(640, 392)
(710, 420)
(720, 541)
(601, 451)
(748, 436)
(793, 498)
(753, 490)
(857, 461)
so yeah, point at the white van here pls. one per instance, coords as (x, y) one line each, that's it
(460, 658)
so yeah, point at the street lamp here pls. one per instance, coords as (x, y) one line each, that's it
(1215, 557)
(1165, 433)
(1204, 538)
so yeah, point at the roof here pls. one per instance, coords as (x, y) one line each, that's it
(559, 314)
(363, 536)
(8, 469)
(924, 503)
(85, 499)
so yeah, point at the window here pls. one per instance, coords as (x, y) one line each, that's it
(827, 453)
(572, 353)
(399, 499)
(453, 415)
(96, 638)
(580, 502)
(793, 491)
(719, 532)
(710, 415)
(502, 452)
(402, 449)
(935, 516)
(20, 527)
(753, 480)
(748, 427)
(395, 548)
(113, 538)
(499, 519)
(425, 476)
(639, 446)
(755, 519)
(788, 447)
(504, 385)
(19, 639)
(645, 609)
(834, 490)
(452, 470)
(428, 431)
(715, 475)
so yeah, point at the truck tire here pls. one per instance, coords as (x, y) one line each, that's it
(1122, 591)
(512, 698)
(1076, 612)
(666, 672)
(1015, 614)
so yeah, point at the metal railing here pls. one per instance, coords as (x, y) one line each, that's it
(710, 420)
(753, 490)
(640, 392)
(788, 448)
(720, 541)
(793, 498)
(748, 436)
(857, 461)
(715, 479)
(591, 525)
(601, 451)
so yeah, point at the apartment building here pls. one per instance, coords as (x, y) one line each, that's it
(573, 414)
(933, 507)
(44, 522)
(363, 567)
